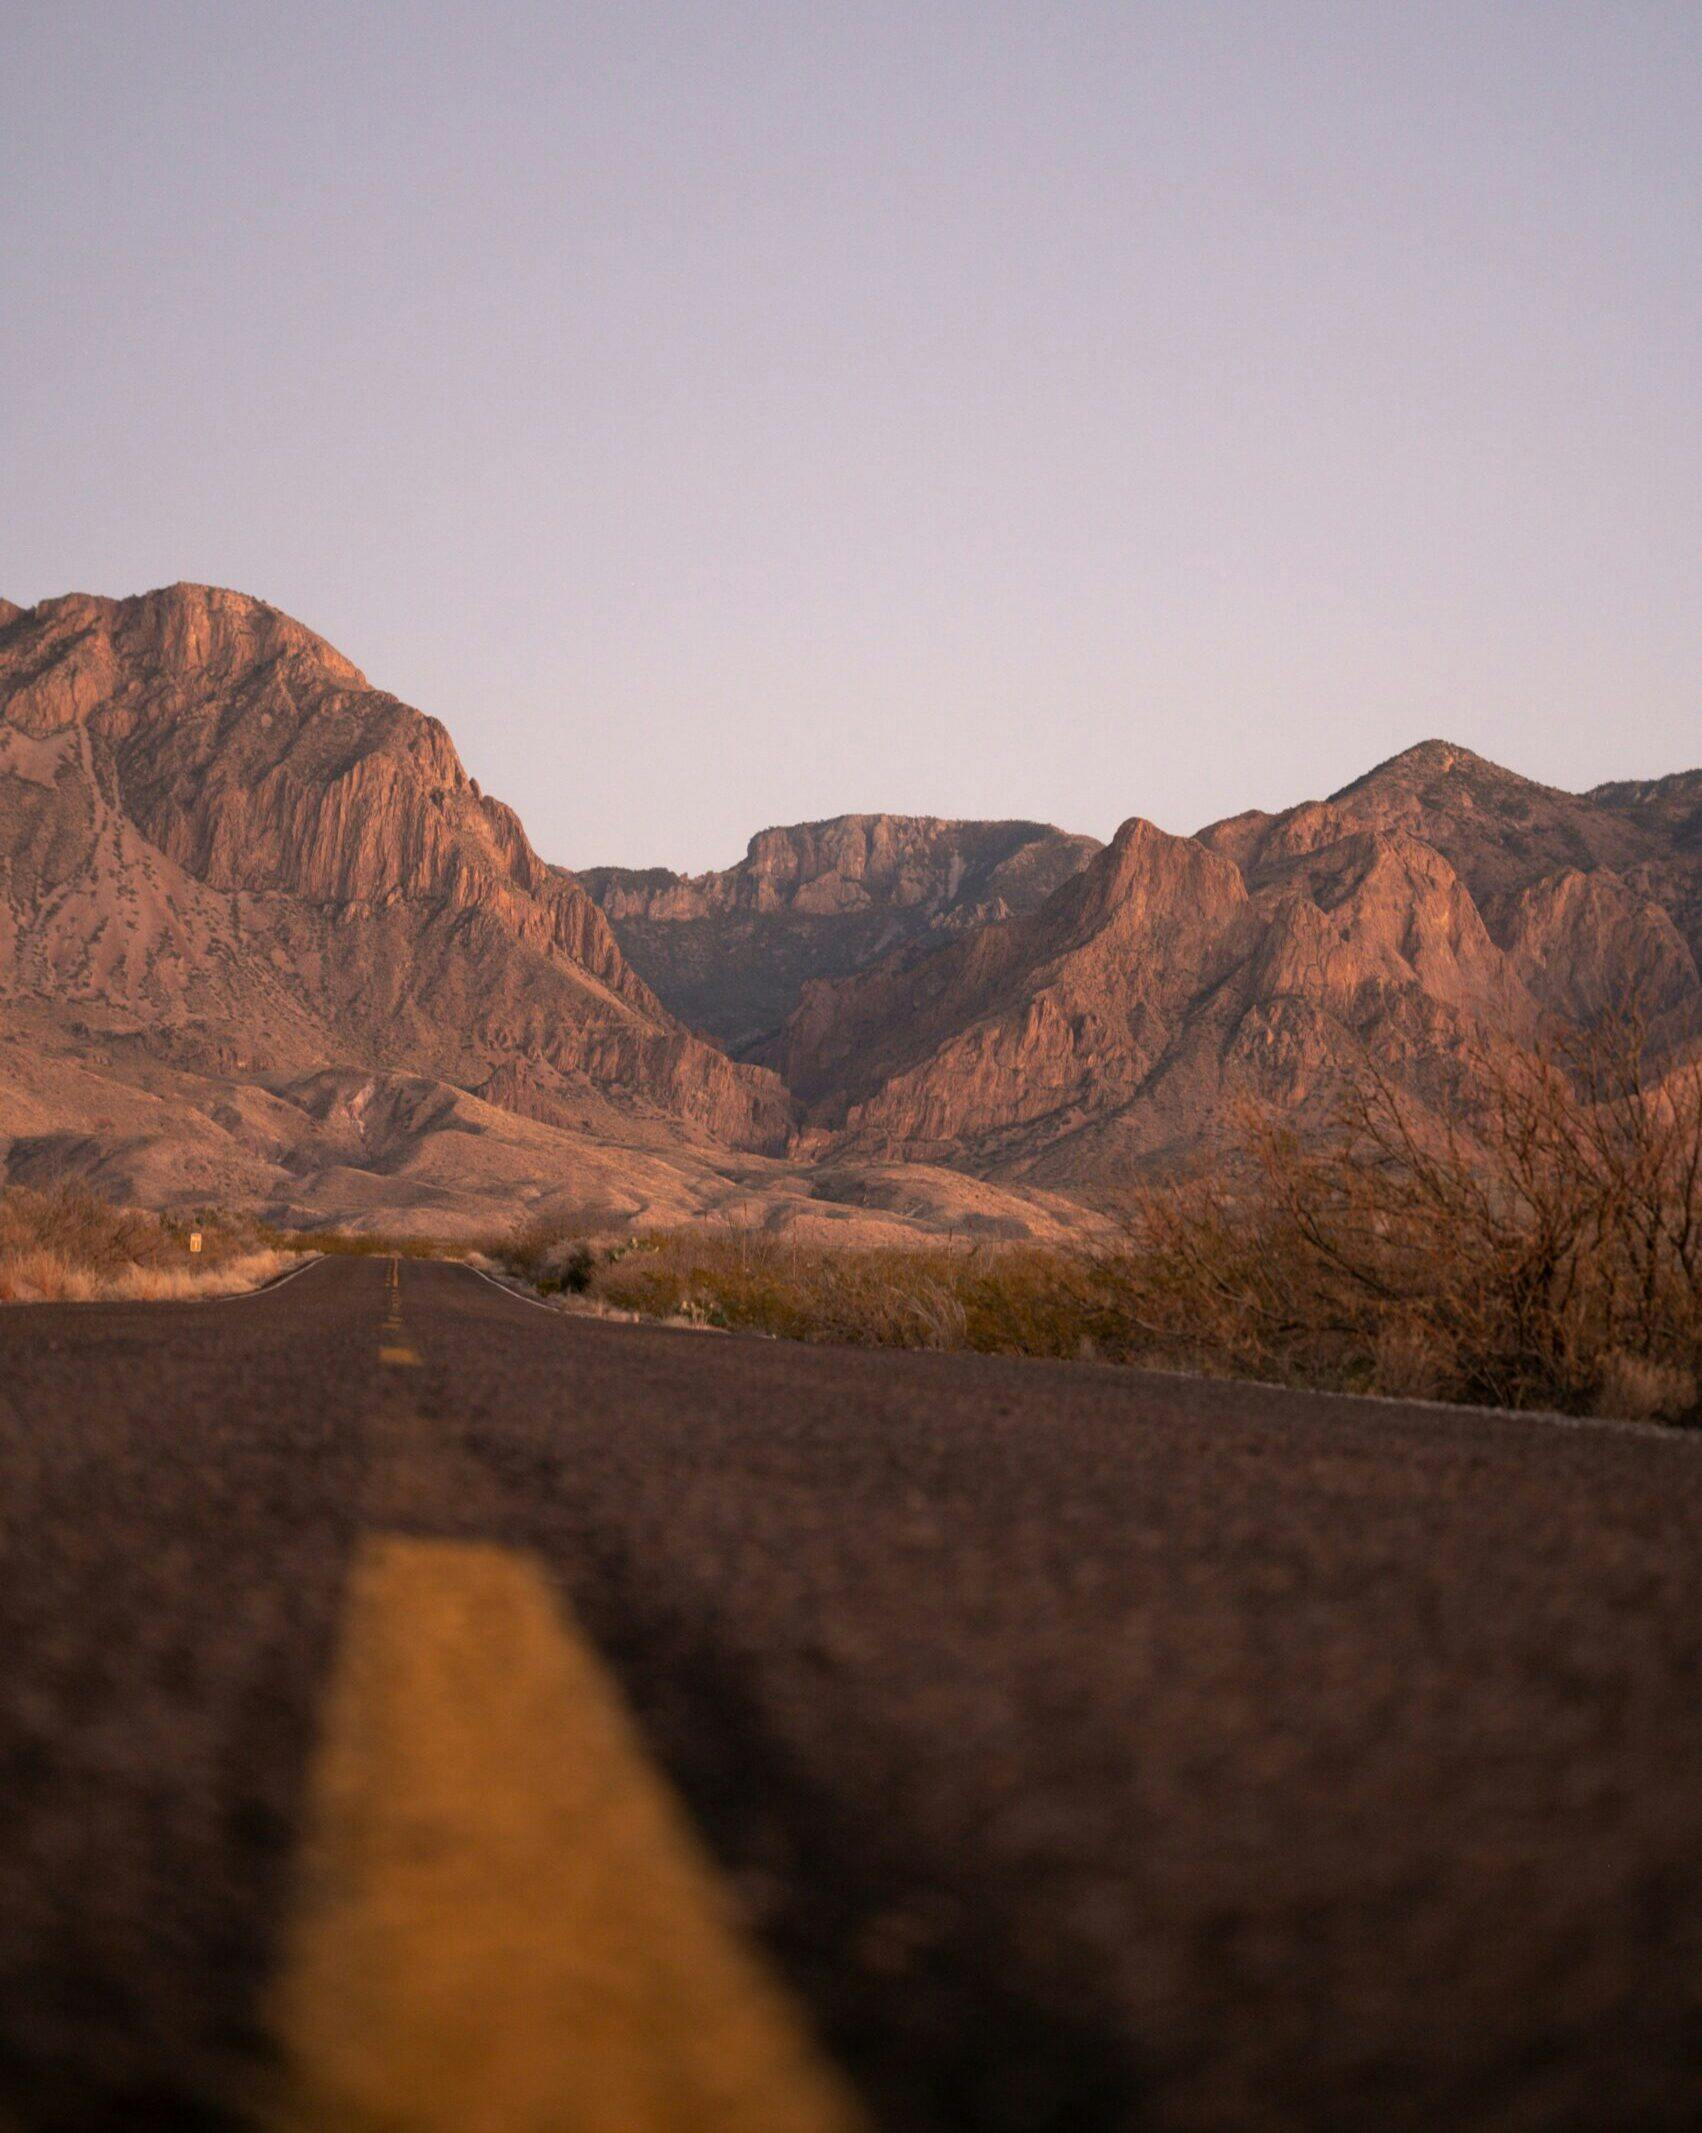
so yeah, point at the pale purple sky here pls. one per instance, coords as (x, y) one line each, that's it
(731, 414)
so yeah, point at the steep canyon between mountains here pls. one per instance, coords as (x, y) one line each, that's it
(264, 943)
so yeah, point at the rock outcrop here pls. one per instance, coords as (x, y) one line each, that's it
(731, 952)
(214, 831)
(263, 941)
(1437, 905)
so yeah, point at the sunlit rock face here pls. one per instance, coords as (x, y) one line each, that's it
(1127, 1026)
(263, 941)
(218, 841)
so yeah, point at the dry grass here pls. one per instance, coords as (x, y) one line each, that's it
(70, 1246)
(1549, 1257)
(234, 1277)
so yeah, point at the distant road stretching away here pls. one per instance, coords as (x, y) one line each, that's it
(420, 1709)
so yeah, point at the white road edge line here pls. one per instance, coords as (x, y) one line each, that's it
(536, 1302)
(1661, 1432)
(1460, 1410)
(266, 1287)
(113, 1303)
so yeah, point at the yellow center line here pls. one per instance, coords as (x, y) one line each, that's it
(505, 1922)
(392, 1347)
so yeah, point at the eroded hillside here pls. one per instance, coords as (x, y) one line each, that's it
(1433, 906)
(263, 940)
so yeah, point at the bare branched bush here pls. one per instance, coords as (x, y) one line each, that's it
(80, 1230)
(1538, 1254)
(552, 1252)
(1545, 1252)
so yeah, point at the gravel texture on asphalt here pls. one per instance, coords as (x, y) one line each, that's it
(1088, 1749)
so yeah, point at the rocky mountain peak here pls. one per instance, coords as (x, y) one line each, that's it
(1437, 904)
(1427, 759)
(215, 629)
(1147, 876)
(1499, 831)
(1443, 777)
(230, 866)
(260, 843)
(203, 635)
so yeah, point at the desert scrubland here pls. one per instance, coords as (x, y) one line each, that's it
(1389, 1090)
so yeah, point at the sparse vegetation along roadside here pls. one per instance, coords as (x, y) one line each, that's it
(360, 1243)
(1546, 1254)
(71, 1246)
(556, 1256)
(1551, 1257)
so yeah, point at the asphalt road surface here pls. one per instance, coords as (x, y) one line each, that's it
(423, 1710)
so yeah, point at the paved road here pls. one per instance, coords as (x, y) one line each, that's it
(411, 1698)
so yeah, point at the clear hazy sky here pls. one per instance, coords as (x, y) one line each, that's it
(729, 414)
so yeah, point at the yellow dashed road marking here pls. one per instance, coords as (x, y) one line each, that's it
(392, 1348)
(506, 1923)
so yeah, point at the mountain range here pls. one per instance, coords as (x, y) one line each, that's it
(264, 942)
(732, 952)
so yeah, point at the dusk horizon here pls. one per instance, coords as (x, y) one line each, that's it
(722, 417)
(850, 1066)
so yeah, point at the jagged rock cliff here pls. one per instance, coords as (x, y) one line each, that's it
(262, 939)
(215, 833)
(731, 952)
(1436, 903)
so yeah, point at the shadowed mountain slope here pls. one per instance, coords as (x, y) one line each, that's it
(731, 952)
